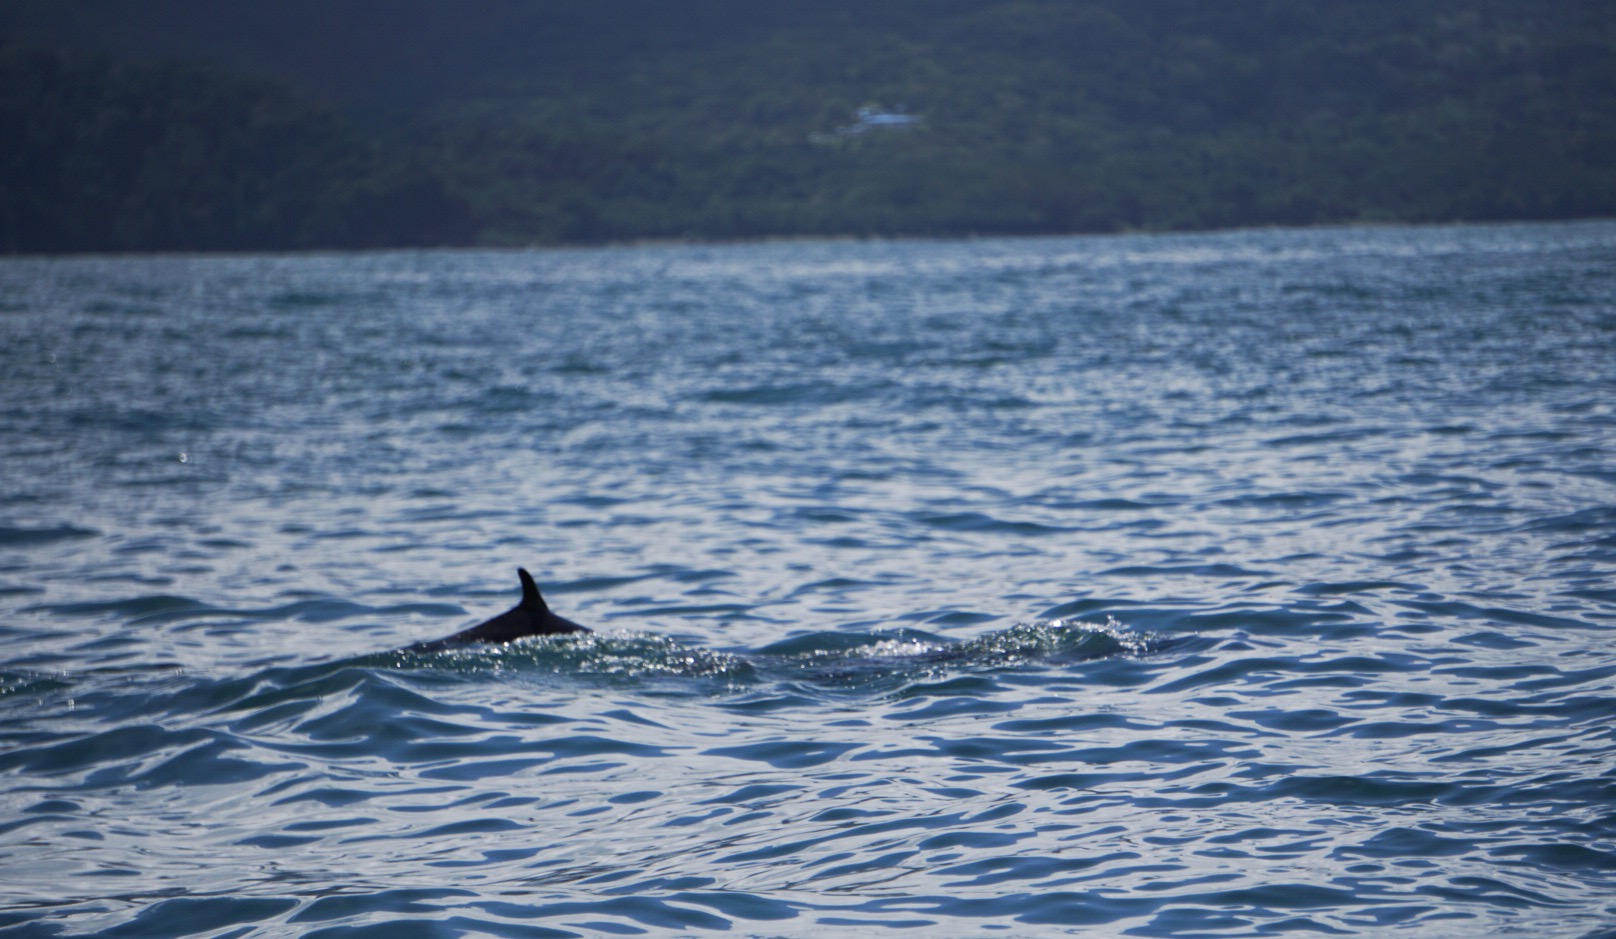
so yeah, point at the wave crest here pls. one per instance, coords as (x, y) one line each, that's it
(838, 660)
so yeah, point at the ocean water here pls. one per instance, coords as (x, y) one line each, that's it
(1234, 584)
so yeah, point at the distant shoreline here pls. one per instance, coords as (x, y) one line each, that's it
(671, 243)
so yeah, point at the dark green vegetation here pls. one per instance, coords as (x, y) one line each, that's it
(98, 157)
(350, 123)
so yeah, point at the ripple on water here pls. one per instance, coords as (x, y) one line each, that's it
(1195, 585)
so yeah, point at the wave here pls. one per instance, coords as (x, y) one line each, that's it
(133, 725)
(858, 662)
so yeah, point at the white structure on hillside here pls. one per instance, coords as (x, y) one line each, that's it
(868, 119)
(871, 117)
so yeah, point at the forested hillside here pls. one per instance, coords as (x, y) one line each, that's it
(174, 156)
(176, 124)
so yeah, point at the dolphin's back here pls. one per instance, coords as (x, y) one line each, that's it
(530, 617)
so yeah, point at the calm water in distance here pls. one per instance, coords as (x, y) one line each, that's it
(1207, 585)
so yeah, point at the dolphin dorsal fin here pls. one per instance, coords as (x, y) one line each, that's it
(530, 592)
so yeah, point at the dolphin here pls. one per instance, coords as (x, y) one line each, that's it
(531, 617)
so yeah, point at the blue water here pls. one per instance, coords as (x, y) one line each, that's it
(1207, 585)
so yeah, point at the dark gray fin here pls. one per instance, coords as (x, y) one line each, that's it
(530, 593)
(530, 617)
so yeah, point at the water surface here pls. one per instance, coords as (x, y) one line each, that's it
(1205, 585)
